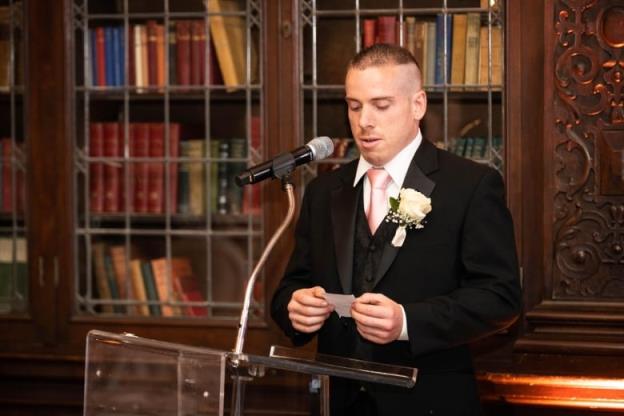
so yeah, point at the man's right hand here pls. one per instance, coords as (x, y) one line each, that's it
(308, 309)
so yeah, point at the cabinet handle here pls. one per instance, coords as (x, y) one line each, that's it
(56, 272)
(41, 281)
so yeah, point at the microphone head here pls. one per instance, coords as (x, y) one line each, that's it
(321, 147)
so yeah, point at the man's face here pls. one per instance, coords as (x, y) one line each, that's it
(385, 104)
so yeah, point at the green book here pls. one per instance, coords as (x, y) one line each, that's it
(238, 150)
(150, 288)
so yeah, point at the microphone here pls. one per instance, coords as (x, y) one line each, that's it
(316, 149)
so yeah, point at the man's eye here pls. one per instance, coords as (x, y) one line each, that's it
(354, 107)
(382, 106)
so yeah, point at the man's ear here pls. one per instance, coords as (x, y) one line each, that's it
(419, 103)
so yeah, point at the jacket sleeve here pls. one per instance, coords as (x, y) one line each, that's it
(488, 297)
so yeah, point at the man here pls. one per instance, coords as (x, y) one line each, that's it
(419, 302)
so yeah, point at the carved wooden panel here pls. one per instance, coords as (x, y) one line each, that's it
(588, 192)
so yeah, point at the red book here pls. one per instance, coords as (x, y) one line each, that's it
(112, 168)
(387, 30)
(96, 169)
(156, 170)
(152, 53)
(174, 153)
(160, 55)
(198, 44)
(7, 180)
(100, 56)
(131, 57)
(369, 32)
(139, 148)
(186, 286)
(183, 49)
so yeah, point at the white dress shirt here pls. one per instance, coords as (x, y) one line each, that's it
(397, 169)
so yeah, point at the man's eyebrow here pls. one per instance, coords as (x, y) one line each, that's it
(376, 99)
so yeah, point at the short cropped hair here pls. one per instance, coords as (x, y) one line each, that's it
(382, 54)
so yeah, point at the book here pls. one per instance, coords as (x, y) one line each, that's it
(150, 289)
(140, 61)
(139, 173)
(458, 47)
(172, 43)
(183, 52)
(156, 170)
(430, 53)
(387, 30)
(198, 46)
(187, 286)
(138, 286)
(228, 32)
(471, 73)
(160, 55)
(113, 170)
(152, 53)
(101, 277)
(495, 61)
(100, 56)
(369, 32)
(194, 149)
(172, 168)
(238, 150)
(96, 169)
(443, 57)
(112, 283)
(164, 286)
(123, 276)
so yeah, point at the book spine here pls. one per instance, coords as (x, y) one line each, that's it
(387, 30)
(131, 57)
(196, 52)
(160, 55)
(156, 169)
(369, 32)
(100, 53)
(152, 53)
(183, 63)
(112, 169)
(110, 58)
(172, 42)
(172, 166)
(471, 73)
(96, 169)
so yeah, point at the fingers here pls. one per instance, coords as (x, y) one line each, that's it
(308, 310)
(378, 318)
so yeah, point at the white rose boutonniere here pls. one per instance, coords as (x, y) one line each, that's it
(408, 210)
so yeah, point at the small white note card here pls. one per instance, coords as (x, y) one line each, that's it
(342, 303)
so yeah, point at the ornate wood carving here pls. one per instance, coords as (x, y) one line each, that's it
(588, 233)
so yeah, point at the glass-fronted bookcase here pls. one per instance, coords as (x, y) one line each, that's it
(168, 109)
(458, 44)
(13, 138)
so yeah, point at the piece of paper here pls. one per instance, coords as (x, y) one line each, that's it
(342, 303)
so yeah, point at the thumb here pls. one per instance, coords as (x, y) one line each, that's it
(319, 292)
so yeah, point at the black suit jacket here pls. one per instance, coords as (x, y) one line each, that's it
(457, 278)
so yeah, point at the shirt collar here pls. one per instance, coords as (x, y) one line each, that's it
(397, 167)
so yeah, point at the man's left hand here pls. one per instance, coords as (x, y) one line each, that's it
(378, 318)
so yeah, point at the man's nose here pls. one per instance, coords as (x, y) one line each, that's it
(366, 118)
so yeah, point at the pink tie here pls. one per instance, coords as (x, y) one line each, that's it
(378, 207)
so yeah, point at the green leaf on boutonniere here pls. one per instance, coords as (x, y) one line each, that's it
(394, 204)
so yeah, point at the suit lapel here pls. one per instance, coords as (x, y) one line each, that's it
(344, 203)
(424, 162)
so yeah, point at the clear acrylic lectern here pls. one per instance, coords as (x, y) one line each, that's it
(129, 375)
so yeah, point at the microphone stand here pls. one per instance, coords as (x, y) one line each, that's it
(238, 387)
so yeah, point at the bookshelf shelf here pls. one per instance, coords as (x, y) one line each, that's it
(146, 178)
(196, 93)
